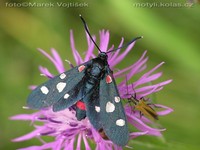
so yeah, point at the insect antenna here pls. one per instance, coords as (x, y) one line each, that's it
(130, 99)
(125, 45)
(86, 29)
(135, 96)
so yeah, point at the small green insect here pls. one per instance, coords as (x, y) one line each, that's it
(144, 108)
(141, 105)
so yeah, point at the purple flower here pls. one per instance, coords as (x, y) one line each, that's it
(63, 125)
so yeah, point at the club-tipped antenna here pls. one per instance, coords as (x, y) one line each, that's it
(86, 29)
(125, 45)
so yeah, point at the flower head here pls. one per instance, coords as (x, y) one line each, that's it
(64, 126)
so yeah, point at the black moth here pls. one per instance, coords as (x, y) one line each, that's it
(91, 88)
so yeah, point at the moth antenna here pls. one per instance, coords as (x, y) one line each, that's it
(86, 29)
(125, 45)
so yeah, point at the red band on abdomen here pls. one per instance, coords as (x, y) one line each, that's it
(81, 105)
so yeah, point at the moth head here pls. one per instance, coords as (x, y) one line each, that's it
(103, 56)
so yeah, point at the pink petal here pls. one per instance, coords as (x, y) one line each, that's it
(58, 60)
(148, 79)
(58, 144)
(110, 54)
(46, 72)
(134, 71)
(32, 87)
(136, 134)
(23, 117)
(89, 41)
(77, 57)
(69, 144)
(57, 57)
(164, 112)
(90, 50)
(95, 134)
(29, 136)
(152, 70)
(104, 40)
(155, 86)
(121, 72)
(56, 64)
(116, 53)
(33, 148)
(78, 147)
(121, 56)
(50, 145)
(87, 146)
(140, 125)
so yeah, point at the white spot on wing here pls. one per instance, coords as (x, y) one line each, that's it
(97, 108)
(110, 107)
(60, 86)
(62, 76)
(44, 90)
(120, 122)
(66, 96)
(117, 99)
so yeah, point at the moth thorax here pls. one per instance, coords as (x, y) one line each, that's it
(96, 70)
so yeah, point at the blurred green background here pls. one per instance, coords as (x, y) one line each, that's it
(171, 34)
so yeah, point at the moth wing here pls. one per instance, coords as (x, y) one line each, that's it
(91, 101)
(112, 113)
(71, 97)
(51, 91)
